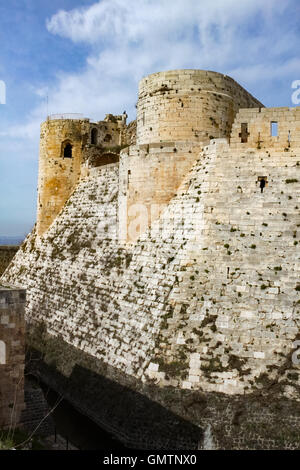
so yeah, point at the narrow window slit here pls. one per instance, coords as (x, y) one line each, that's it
(94, 136)
(244, 134)
(263, 182)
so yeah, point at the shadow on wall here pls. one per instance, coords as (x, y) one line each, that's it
(104, 159)
(140, 422)
(131, 417)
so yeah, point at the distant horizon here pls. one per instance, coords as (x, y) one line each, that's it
(11, 240)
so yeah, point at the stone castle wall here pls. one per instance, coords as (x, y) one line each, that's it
(184, 106)
(12, 355)
(212, 283)
(177, 112)
(149, 177)
(6, 255)
(58, 174)
(188, 105)
(212, 288)
(255, 127)
(236, 304)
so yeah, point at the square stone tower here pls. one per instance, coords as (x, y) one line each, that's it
(12, 355)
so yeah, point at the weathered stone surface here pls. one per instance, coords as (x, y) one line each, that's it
(12, 355)
(189, 105)
(90, 144)
(206, 300)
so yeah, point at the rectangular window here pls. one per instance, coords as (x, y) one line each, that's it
(274, 129)
(244, 134)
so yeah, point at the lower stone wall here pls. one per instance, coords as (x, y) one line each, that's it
(12, 355)
(114, 401)
(150, 417)
(205, 304)
(6, 255)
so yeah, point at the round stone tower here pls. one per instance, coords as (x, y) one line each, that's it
(61, 145)
(188, 105)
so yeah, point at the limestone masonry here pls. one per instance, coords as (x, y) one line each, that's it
(12, 356)
(67, 147)
(165, 261)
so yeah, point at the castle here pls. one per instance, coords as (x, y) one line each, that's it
(164, 266)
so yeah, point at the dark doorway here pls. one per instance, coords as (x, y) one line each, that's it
(94, 137)
(68, 151)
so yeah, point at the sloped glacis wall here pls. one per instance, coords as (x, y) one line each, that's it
(205, 302)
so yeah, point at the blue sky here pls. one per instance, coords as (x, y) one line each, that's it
(88, 57)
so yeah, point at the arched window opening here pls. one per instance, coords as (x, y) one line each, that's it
(2, 353)
(107, 138)
(94, 136)
(68, 150)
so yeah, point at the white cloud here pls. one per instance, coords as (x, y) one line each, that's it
(115, 20)
(129, 39)
(262, 72)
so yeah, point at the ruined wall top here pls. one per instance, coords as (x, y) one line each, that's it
(271, 128)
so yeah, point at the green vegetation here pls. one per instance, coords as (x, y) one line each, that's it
(20, 440)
